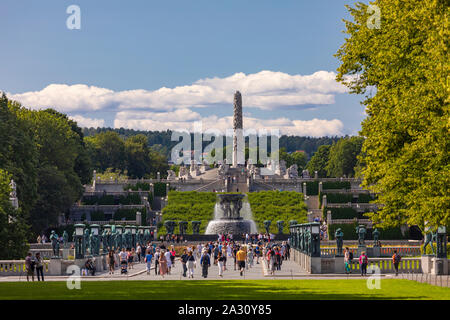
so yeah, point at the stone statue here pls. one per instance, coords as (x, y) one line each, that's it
(182, 225)
(281, 168)
(171, 175)
(86, 241)
(13, 187)
(94, 243)
(430, 237)
(339, 235)
(128, 239)
(105, 241)
(308, 241)
(376, 235)
(170, 226)
(280, 225)
(292, 172)
(196, 227)
(267, 224)
(361, 232)
(55, 243)
(65, 239)
(302, 240)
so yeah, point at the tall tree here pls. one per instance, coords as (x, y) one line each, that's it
(319, 161)
(137, 156)
(403, 68)
(343, 157)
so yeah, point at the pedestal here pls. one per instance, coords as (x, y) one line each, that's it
(376, 252)
(65, 253)
(55, 267)
(339, 265)
(361, 248)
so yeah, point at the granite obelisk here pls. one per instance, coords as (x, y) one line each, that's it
(238, 155)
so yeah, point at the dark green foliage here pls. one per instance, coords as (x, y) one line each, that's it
(336, 197)
(97, 216)
(140, 185)
(129, 214)
(344, 157)
(319, 161)
(275, 206)
(60, 231)
(336, 185)
(129, 199)
(312, 188)
(189, 206)
(160, 189)
(343, 213)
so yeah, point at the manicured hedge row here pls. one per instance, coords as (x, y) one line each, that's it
(342, 213)
(129, 199)
(336, 185)
(188, 206)
(275, 206)
(130, 214)
(350, 232)
(345, 197)
(312, 188)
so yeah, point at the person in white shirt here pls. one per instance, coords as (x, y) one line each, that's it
(167, 254)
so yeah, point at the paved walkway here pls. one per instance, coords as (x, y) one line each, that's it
(289, 270)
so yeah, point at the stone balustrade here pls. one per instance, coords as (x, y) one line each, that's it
(384, 251)
(17, 267)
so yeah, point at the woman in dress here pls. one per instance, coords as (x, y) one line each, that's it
(162, 264)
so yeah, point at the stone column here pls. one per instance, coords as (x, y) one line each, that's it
(237, 127)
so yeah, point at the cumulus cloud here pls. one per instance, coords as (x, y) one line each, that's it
(191, 120)
(88, 122)
(264, 90)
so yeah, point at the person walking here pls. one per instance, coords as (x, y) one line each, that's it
(205, 262)
(148, 261)
(157, 256)
(191, 264)
(250, 257)
(29, 265)
(172, 256)
(271, 260)
(163, 264)
(184, 260)
(138, 252)
(39, 267)
(220, 261)
(241, 257)
(363, 261)
(168, 257)
(348, 256)
(396, 258)
(111, 261)
(130, 258)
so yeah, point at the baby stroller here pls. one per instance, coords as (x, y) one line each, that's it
(123, 267)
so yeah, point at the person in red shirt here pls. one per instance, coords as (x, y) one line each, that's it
(363, 261)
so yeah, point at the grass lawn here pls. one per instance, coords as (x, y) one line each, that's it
(225, 290)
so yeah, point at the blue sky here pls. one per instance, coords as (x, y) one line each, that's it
(278, 53)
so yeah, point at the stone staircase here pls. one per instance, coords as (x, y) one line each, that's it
(312, 202)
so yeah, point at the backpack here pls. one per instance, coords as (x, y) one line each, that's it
(397, 258)
(350, 255)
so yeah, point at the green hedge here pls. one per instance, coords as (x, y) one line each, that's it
(130, 214)
(336, 197)
(129, 199)
(364, 198)
(160, 189)
(188, 206)
(343, 213)
(312, 188)
(350, 232)
(336, 185)
(97, 216)
(277, 205)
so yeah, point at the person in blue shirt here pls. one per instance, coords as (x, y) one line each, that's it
(148, 260)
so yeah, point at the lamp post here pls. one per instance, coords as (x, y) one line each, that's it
(315, 239)
(441, 242)
(78, 239)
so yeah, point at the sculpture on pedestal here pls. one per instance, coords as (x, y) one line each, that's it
(361, 232)
(339, 235)
(55, 243)
(182, 225)
(94, 243)
(280, 225)
(170, 226)
(128, 239)
(430, 237)
(65, 239)
(267, 224)
(86, 241)
(196, 227)
(105, 241)
(376, 235)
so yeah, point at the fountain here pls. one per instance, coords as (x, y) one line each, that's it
(231, 215)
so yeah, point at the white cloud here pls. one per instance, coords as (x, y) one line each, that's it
(264, 90)
(88, 122)
(163, 121)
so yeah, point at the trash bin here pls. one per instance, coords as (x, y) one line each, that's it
(439, 267)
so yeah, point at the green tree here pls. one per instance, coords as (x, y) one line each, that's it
(403, 68)
(137, 156)
(107, 150)
(13, 227)
(343, 157)
(319, 161)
